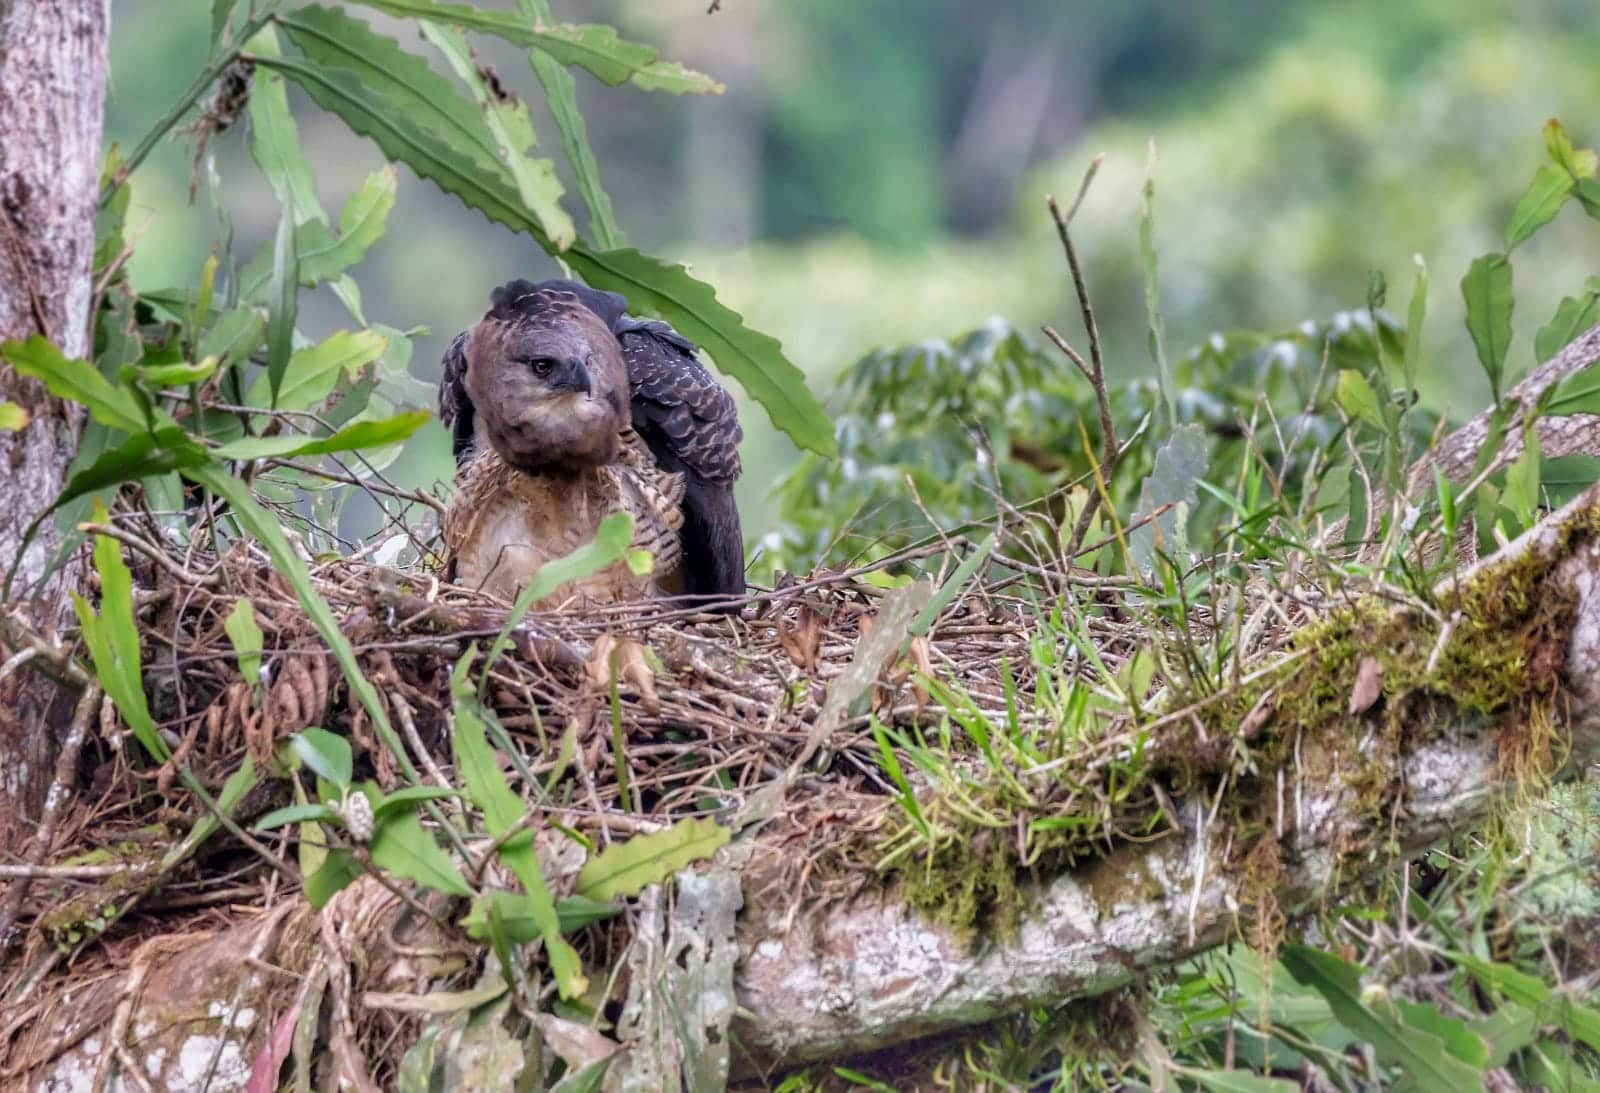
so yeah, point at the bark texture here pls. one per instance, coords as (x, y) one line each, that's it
(52, 100)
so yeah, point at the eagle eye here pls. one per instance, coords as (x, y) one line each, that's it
(542, 366)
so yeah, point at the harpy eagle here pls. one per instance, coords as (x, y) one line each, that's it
(586, 410)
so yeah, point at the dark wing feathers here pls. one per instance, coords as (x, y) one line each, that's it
(455, 407)
(687, 420)
(691, 425)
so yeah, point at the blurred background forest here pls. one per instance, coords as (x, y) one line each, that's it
(875, 174)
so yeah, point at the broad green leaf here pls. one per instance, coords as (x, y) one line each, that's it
(361, 224)
(387, 80)
(140, 456)
(245, 635)
(336, 873)
(1550, 1005)
(325, 754)
(401, 846)
(1564, 477)
(952, 587)
(274, 139)
(13, 418)
(113, 640)
(1458, 1037)
(79, 381)
(315, 371)
(1179, 464)
(1539, 204)
(1579, 164)
(1424, 1062)
(1506, 1031)
(1487, 291)
(502, 811)
(596, 48)
(158, 376)
(410, 795)
(294, 814)
(363, 434)
(1589, 197)
(512, 128)
(1551, 1065)
(1573, 316)
(628, 868)
(1579, 393)
(1415, 316)
(561, 95)
(1521, 494)
(220, 9)
(1358, 398)
(1237, 1081)
(754, 359)
(236, 334)
(284, 296)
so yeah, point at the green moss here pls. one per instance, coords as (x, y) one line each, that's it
(967, 864)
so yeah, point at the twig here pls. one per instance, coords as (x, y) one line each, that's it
(60, 790)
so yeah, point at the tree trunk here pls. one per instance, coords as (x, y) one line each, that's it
(52, 101)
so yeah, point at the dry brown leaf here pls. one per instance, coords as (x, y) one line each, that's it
(803, 639)
(1369, 685)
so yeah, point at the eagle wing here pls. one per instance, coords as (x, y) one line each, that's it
(691, 426)
(455, 406)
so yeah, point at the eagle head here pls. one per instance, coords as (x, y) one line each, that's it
(547, 378)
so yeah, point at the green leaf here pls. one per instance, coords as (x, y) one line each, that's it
(363, 434)
(140, 456)
(1506, 1031)
(113, 640)
(628, 868)
(156, 377)
(1358, 398)
(1564, 477)
(1579, 393)
(1237, 1081)
(274, 139)
(1589, 197)
(314, 372)
(1579, 165)
(13, 418)
(294, 814)
(1179, 463)
(234, 336)
(281, 318)
(561, 95)
(952, 587)
(1487, 291)
(754, 359)
(1552, 1006)
(1573, 316)
(512, 128)
(1539, 204)
(336, 873)
(246, 638)
(1415, 316)
(395, 97)
(1422, 1057)
(503, 810)
(362, 222)
(411, 795)
(597, 49)
(1458, 1037)
(401, 846)
(1521, 494)
(79, 381)
(325, 754)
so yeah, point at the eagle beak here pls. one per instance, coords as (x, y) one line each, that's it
(571, 375)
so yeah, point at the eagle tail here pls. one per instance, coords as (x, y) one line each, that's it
(713, 544)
